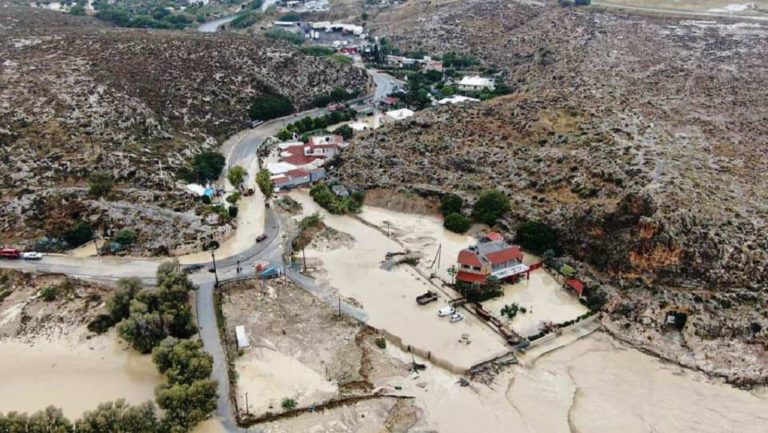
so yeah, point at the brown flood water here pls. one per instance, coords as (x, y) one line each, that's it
(75, 377)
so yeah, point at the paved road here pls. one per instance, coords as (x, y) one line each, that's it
(385, 84)
(212, 26)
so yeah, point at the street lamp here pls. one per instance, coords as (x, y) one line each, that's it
(215, 273)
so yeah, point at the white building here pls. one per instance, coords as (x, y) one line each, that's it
(396, 115)
(457, 99)
(476, 84)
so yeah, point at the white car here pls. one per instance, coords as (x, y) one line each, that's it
(32, 256)
(456, 317)
(446, 311)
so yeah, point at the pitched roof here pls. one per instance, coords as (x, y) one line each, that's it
(470, 277)
(576, 285)
(505, 255)
(468, 257)
(298, 173)
(494, 236)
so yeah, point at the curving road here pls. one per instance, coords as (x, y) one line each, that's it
(240, 149)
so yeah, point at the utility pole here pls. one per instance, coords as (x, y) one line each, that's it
(247, 406)
(339, 306)
(215, 272)
(304, 258)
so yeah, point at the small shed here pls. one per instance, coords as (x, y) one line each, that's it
(242, 338)
(576, 285)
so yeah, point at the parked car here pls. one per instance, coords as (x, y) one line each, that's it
(456, 317)
(446, 311)
(32, 256)
(255, 123)
(191, 268)
(261, 237)
(426, 298)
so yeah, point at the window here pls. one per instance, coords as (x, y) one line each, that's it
(476, 268)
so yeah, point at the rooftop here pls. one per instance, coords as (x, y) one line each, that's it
(476, 81)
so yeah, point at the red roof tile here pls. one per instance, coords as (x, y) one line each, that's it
(495, 236)
(470, 277)
(297, 173)
(300, 159)
(505, 255)
(576, 285)
(467, 257)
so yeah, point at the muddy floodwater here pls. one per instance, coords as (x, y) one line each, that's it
(75, 378)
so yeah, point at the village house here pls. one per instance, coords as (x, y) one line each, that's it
(397, 115)
(316, 152)
(491, 256)
(297, 177)
(476, 84)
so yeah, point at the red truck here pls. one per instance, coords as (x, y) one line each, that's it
(10, 253)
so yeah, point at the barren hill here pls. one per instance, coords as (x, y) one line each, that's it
(78, 96)
(643, 140)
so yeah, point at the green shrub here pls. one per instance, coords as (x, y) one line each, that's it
(49, 293)
(537, 237)
(290, 16)
(264, 181)
(381, 342)
(341, 58)
(317, 51)
(288, 404)
(450, 204)
(285, 35)
(510, 310)
(233, 211)
(236, 175)
(205, 167)
(100, 183)
(310, 221)
(491, 206)
(234, 197)
(456, 223)
(125, 237)
(345, 131)
(270, 106)
(78, 234)
(245, 19)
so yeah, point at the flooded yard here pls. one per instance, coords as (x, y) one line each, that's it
(76, 377)
(543, 299)
(388, 297)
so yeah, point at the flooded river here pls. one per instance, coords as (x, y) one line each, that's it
(76, 378)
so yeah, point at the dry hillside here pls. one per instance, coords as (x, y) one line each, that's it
(643, 140)
(77, 96)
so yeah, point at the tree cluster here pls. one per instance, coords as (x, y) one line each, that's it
(309, 124)
(264, 181)
(537, 236)
(270, 106)
(205, 167)
(187, 397)
(155, 314)
(490, 206)
(325, 197)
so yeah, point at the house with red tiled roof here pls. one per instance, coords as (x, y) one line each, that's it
(491, 256)
(314, 154)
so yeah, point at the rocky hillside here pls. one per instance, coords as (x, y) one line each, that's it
(643, 140)
(78, 96)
